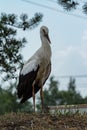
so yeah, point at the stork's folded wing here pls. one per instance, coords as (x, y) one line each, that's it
(26, 78)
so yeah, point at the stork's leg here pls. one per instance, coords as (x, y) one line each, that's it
(41, 95)
(33, 95)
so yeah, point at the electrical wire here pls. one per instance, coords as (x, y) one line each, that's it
(72, 76)
(52, 1)
(54, 9)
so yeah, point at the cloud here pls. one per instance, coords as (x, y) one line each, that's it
(70, 60)
(62, 59)
(79, 52)
(64, 53)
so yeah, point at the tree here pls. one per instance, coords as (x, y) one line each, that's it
(53, 96)
(10, 54)
(71, 96)
(10, 103)
(73, 4)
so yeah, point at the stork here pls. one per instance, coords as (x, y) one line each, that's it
(36, 70)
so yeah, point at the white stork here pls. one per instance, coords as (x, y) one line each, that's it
(36, 70)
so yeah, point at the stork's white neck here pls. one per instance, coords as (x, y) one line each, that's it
(45, 43)
(46, 47)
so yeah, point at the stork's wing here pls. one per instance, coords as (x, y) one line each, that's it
(29, 66)
(47, 73)
(26, 79)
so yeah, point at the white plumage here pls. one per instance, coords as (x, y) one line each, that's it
(36, 70)
(30, 66)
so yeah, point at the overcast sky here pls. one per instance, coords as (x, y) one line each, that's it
(68, 35)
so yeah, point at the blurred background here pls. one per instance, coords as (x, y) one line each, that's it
(20, 23)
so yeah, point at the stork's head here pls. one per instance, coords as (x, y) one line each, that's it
(44, 33)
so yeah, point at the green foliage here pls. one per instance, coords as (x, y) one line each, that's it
(85, 8)
(10, 47)
(71, 96)
(69, 5)
(24, 23)
(9, 101)
(53, 96)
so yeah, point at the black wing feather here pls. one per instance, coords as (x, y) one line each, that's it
(24, 88)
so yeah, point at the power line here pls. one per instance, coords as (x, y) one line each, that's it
(53, 9)
(55, 2)
(81, 86)
(52, 1)
(72, 76)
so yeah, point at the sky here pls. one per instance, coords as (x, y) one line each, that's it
(68, 34)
